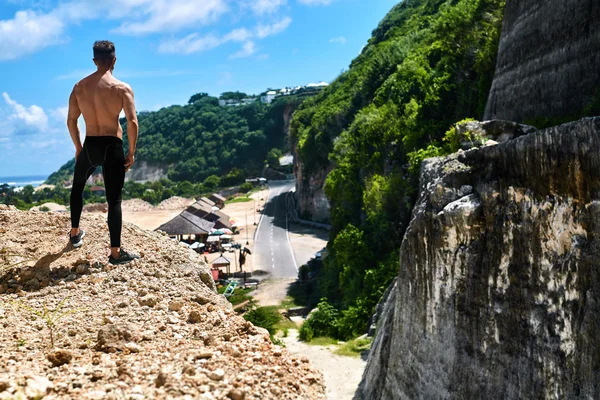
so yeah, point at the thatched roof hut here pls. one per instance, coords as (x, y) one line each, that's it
(222, 262)
(218, 199)
(208, 201)
(204, 211)
(187, 223)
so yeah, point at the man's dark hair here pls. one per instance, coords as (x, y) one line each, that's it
(104, 52)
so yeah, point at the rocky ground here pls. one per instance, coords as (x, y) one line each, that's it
(151, 329)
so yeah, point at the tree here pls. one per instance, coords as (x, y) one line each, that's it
(233, 96)
(273, 157)
(197, 97)
(212, 182)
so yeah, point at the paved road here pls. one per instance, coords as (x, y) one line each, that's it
(273, 252)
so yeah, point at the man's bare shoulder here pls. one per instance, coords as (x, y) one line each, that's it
(122, 88)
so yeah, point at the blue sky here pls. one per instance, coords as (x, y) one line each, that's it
(167, 50)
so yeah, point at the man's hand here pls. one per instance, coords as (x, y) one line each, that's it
(129, 161)
(77, 151)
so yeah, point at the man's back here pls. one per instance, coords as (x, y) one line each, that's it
(100, 99)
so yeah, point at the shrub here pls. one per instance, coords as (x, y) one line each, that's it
(265, 317)
(212, 182)
(246, 187)
(451, 135)
(306, 333)
(321, 322)
(415, 158)
(44, 208)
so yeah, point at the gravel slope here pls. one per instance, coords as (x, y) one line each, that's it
(152, 329)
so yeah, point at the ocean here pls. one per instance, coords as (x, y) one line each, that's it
(20, 181)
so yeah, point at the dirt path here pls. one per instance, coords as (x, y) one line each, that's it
(342, 374)
(272, 292)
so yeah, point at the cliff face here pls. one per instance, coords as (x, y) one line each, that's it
(548, 60)
(310, 191)
(498, 294)
(146, 172)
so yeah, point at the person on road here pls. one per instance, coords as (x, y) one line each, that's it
(100, 97)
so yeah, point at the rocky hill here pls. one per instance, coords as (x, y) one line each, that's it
(497, 294)
(548, 62)
(155, 328)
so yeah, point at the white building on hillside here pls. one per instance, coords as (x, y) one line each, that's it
(269, 97)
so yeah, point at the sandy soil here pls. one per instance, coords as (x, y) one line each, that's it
(342, 374)
(306, 242)
(272, 292)
(240, 212)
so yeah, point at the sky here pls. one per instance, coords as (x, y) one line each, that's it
(167, 50)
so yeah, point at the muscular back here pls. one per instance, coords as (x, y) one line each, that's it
(100, 98)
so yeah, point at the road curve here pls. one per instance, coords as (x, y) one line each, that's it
(273, 252)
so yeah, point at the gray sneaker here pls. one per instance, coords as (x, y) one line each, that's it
(124, 258)
(77, 240)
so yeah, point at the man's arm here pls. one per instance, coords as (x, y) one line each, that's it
(132, 124)
(73, 116)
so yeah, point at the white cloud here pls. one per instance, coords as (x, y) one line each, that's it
(340, 40)
(27, 33)
(262, 31)
(262, 7)
(60, 113)
(32, 116)
(195, 42)
(30, 30)
(172, 15)
(247, 50)
(190, 44)
(316, 2)
(237, 35)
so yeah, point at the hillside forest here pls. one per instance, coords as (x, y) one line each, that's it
(202, 145)
(428, 65)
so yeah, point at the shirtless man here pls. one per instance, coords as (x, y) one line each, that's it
(100, 98)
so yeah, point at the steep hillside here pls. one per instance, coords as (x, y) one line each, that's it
(201, 139)
(155, 328)
(497, 297)
(547, 68)
(429, 64)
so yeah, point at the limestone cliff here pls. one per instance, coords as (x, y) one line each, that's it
(310, 190)
(547, 61)
(146, 172)
(498, 293)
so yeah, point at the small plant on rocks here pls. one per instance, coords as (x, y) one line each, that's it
(50, 317)
(5, 260)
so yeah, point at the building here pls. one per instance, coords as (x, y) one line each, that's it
(98, 190)
(202, 210)
(237, 103)
(208, 201)
(218, 200)
(187, 224)
(269, 97)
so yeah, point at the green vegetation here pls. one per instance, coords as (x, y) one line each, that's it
(202, 140)
(320, 323)
(428, 64)
(323, 341)
(152, 192)
(354, 348)
(241, 199)
(239, 295)
(265, 317)
(49, 317)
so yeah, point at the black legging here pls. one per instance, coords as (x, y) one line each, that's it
(105, 152)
